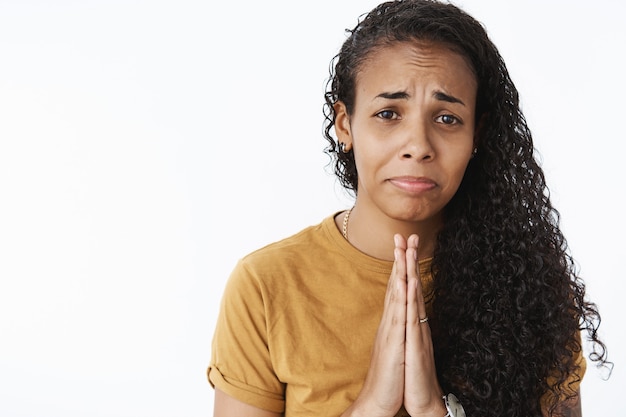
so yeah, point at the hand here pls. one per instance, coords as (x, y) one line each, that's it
(422, 393)
(383, 390)
(402, 369)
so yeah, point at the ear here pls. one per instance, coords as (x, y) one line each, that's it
(342, 125)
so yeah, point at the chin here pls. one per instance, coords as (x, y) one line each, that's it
(418, 215)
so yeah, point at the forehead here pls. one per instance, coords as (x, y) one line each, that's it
(402, 65)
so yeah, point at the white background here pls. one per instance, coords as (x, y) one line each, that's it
(146, 145)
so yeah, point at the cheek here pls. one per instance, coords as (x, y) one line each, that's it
(371, 159)
(457, 171)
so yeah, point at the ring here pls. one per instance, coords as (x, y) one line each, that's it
(424, 320)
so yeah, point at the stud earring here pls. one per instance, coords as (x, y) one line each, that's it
(343, 148)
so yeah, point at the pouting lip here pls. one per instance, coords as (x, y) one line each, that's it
(413, 184)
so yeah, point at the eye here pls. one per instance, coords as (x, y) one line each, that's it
(448, 119)
(387, 115)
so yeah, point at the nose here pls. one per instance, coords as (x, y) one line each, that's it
(417, 143)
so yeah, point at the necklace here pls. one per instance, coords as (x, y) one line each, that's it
(344, 229)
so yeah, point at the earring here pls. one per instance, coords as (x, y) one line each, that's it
(343, 148)
(474, 152)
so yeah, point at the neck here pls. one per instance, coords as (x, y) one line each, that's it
(371, 231)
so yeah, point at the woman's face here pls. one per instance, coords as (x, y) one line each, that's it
(411, 129)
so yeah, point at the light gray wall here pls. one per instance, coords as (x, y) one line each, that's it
(146, 145)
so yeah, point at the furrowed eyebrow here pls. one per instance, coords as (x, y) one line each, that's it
(403, 95)
(439, 95)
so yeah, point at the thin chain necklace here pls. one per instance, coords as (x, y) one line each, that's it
(344, 229)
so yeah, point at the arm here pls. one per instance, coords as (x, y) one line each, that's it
(226, 406)
(240, 362)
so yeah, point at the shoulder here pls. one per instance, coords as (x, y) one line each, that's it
(292, 255)
(307, 243)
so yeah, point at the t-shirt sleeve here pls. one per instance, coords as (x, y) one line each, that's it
(241, 365)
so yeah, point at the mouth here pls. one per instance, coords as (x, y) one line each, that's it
(413, 185)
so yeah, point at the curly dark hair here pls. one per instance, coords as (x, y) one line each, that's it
(508, 303)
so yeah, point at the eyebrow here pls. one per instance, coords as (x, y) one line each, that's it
(403, 95)
(398, 95)
(440, 95)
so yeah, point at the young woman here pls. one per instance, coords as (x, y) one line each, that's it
(448, 285)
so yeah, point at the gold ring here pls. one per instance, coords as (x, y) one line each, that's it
(424, 320)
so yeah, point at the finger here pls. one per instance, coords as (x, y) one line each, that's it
(394, 312)
(415, 297)
(395, 290)
(412, 315)
(399, 241)
(397, 280)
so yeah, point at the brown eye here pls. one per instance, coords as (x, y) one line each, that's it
(447, 119)
(387, 114)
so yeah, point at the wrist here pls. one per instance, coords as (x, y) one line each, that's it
(437, 411)
(361, 409)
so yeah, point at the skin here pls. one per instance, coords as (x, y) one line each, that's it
(225, 405)
(412, 131)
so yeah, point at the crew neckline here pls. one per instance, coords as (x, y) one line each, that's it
(363, 260)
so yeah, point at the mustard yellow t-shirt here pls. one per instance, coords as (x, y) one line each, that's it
(297, 323)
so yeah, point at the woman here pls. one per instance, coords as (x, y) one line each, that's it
(448, 276)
